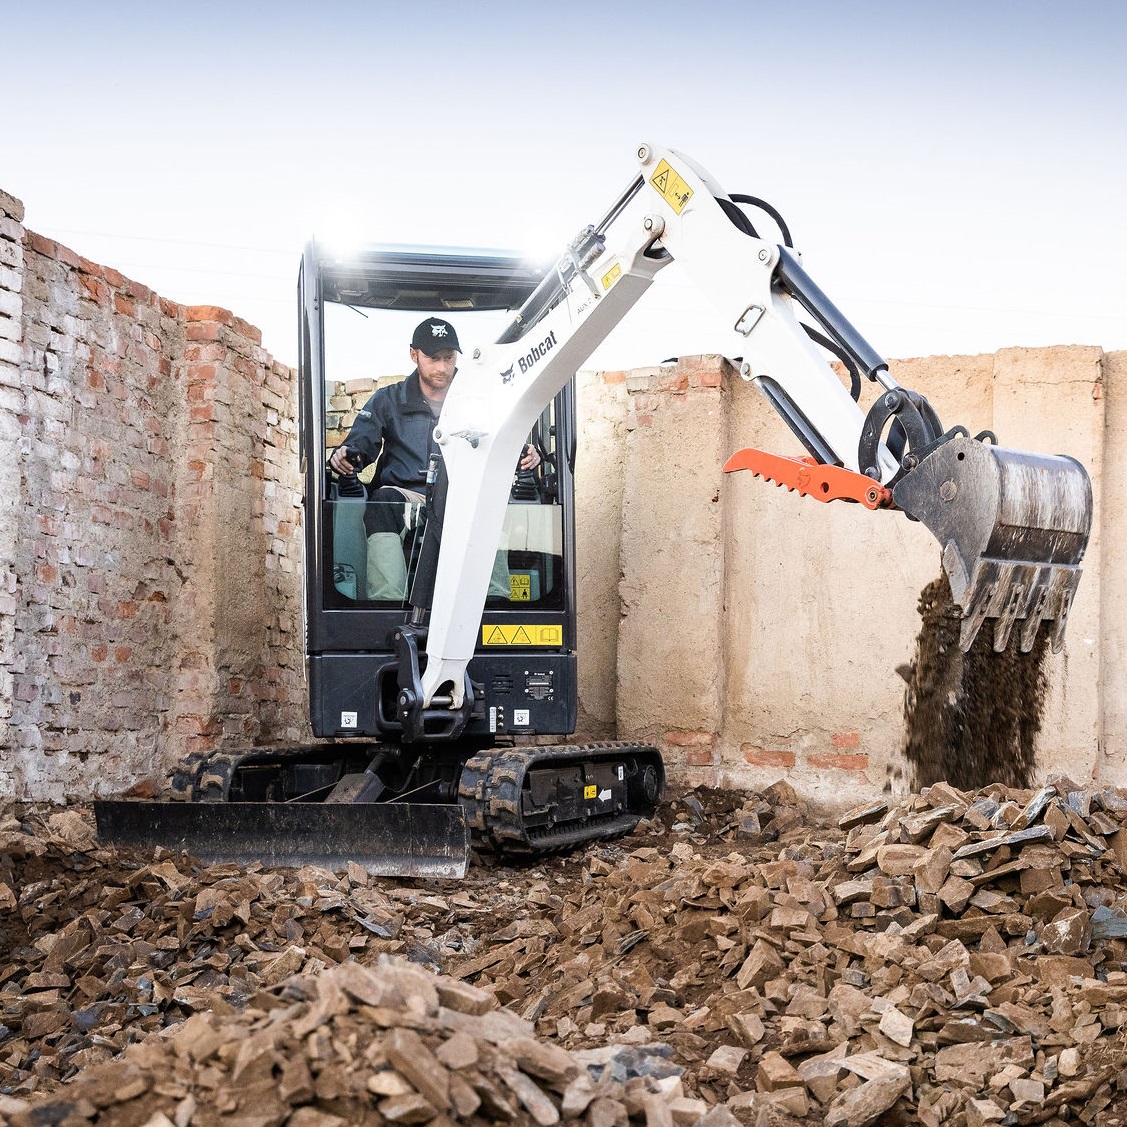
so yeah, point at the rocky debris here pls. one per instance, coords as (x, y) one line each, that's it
(356, 1045)
(957, 957)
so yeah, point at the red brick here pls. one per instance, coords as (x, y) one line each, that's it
(838, 761)
(768, 757)
(124, 305)
(199, 725)
(95, 288)
(139, 292)
(195, 353)
(677, 381)
(846, 739)
(38, 244)
(698, 757)
(681, 738)
(67, 257)
(204, 330)
(195, 313)
(614, 377)
(202, 373)
(246, 329)
(706, 379)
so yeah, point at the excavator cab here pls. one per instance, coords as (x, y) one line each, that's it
(359, 583)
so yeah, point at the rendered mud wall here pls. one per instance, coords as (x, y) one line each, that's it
(759, 634)
(150, 600)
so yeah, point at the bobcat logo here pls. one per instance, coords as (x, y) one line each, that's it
(507, 376)
(438, 330)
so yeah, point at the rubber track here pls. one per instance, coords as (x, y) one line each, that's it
(205, 776)
(490, 792)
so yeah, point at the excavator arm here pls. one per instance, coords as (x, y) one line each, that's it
(1012, 526)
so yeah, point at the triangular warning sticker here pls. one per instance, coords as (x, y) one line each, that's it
(521, 637)
(661, 180)
(497, 638)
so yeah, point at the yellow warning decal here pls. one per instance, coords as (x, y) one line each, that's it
(591, 792)
(520, 588)
(539, 635)
(612, 276)
(671, 187)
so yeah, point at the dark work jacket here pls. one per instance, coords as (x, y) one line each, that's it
(397, 420)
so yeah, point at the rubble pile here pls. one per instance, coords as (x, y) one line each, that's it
(357, 1045)
(952, 958)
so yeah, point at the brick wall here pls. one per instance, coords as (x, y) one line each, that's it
(12, 412)
(150, 588)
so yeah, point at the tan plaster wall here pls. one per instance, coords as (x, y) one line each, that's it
(760, 632)
(1111, 513)
(601, 408)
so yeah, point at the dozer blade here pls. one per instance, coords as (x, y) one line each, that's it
(394, 839)
(1013, 527)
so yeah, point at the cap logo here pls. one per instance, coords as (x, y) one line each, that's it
(438, 330)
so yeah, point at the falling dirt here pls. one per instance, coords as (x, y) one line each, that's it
(971, 718)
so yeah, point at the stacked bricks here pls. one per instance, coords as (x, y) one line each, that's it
(344, 400)
(150, 597)
(93, 637)
(240, 674)
(11, 411)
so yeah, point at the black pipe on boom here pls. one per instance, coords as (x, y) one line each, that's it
(807, 293)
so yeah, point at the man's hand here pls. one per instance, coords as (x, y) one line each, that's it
(529, 460)
(339, 461)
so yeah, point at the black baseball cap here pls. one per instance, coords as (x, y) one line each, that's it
(433, 335)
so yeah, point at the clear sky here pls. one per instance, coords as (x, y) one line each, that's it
(954, 173)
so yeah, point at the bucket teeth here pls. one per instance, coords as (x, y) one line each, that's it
(1017, 593)
(1013, 527)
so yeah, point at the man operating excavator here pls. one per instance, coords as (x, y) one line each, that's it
(395, 429)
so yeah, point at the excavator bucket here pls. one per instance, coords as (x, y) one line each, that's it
(1013, 527)
(397, 839)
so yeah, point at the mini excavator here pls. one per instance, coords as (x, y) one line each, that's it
(434, 707)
